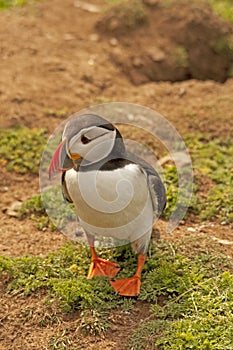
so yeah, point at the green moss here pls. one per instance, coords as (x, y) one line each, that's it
(123, 15)
(224, 46)
(6, 4)
(181, 57)
(192, 302)
(21, 149)
(63, 275)
(34, 209)
(223, 8)
(172, 190)
(202, 318)
(230, 72)
(171, 181)
(57, 113)
(219, 204)
(213, 158)
(60, 212)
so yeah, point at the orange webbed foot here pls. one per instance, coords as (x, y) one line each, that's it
(129, 287)
(102, 267)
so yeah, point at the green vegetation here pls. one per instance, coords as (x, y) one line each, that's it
(21, 149)
(181, 56)
(223, 8)
(58, 209)
(34, 209)
(63, 275)
(6, 4)
(57, 113)
(191, 298)
(213, 158)
(171, 181)
(224, 46)
(123, 15)
(197, 316)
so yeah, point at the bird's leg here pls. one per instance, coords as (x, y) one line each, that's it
(99, 266)
(130, 286)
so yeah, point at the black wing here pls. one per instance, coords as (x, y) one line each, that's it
(156, 186)
(65, 192)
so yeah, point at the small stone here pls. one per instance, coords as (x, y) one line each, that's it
(94, 37)
(91, 61)
(113, 42)
(13, 209)
(156, 54)
(87, 6)
(179, 272)
(16, 205)
(12, 213)
(223, 223)
(191, 229)
(222, 241)
(182, 92)
(137, 62)
(68, 37)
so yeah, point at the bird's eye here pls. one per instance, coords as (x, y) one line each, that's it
(85, 139)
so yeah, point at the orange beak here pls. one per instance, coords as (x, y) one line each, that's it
(75, 156)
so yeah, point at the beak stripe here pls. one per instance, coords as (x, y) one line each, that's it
(55, 162)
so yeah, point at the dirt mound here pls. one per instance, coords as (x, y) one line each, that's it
(182, 41)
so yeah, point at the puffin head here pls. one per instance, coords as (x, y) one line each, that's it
(88, 138)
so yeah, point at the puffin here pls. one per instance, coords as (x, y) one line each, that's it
(115, 193)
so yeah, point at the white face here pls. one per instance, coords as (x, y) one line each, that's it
(92, 144)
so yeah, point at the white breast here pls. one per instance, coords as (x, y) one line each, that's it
(112, 203)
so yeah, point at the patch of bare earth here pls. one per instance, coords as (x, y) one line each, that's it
(54, 62)
(33, 325)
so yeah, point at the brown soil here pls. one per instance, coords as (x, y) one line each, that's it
(55, 62)
(178, 42)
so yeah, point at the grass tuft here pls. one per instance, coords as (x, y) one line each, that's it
(123, 15)
(224, 8)
(6, 4)
(60, 212)
(213, 158)
(192, 302)
(21, 149)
